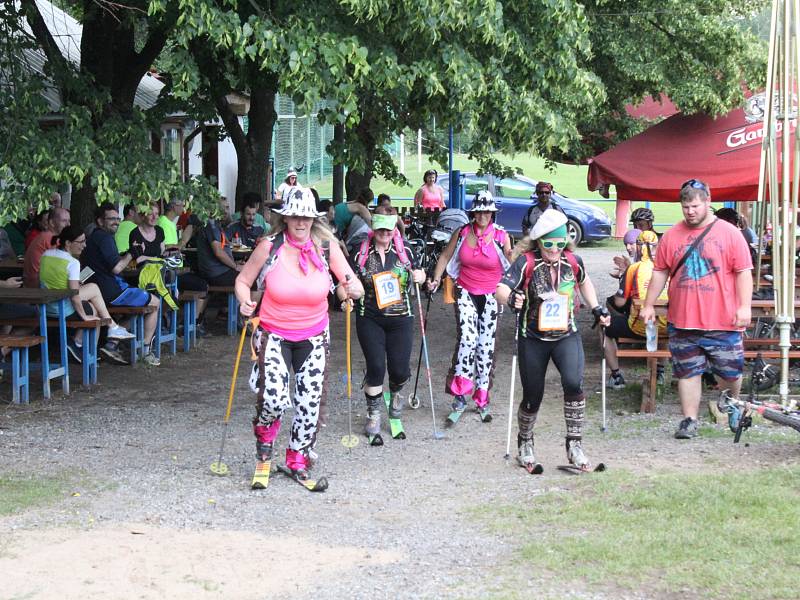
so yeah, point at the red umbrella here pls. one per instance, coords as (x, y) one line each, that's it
(723, 152)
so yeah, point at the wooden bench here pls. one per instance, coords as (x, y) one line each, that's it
(20, 375)
(89, 331)
(136, 315)
(188, 299)
(233, 304)
(650, 387)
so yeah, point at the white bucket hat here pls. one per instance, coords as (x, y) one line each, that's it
(548, 221)
(483, 202)
(299, 202)
(291, 172)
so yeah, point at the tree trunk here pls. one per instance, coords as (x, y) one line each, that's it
(359, 178)
(83, 203)
(338, 167)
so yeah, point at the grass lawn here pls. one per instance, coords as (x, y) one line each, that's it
(711, 535)
(569, 180)
(18, 492)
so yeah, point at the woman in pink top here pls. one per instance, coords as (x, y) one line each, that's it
(293, 268)
(476, 258)
(430, 195)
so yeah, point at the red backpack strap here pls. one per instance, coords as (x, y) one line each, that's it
(400, 249)
(573, 262)
(363, 251)
(528, 268)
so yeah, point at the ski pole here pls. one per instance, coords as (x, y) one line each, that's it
(603, 376)
(419, 360)
(218, 467)
(436, 433)
(511, 391)
(349, 441)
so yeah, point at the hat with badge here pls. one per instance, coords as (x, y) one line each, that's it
(299, 202)
(483, 202)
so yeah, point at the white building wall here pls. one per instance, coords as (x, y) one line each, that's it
(228, 171)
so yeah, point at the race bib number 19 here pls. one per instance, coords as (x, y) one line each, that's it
(387, 289)
(554, 313)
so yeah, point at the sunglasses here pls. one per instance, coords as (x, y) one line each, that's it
(696, 184)
(550, 244)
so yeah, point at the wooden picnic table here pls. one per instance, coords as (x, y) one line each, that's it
(240, 253)
(41, 297)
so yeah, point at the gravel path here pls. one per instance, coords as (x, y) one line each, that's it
(400, 521)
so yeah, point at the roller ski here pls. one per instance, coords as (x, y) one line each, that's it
(263, 466)
(526, 457)
(296, 469)
(372, 428)
(578, 463)
(458, 406)
(394, 406)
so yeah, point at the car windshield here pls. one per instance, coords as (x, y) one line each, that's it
(513, 188)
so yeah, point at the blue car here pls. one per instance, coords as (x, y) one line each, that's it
(513, 198)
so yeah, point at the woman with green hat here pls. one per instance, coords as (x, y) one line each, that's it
(384, 320)
(542, 282)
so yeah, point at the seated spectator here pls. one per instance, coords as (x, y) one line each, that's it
(255, 199)
(101, 255)
(621, 263)
(214, 256)
(245, 230)
(173, 239)
(61, 270)
(129, 223)
(57, 219)
(38, 225)
(148, 241)
(633, 285)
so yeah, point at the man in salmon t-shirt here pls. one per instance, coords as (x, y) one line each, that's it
(709, 299)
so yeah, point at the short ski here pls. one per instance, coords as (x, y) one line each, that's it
(535, 468)
(375, 440)
(453, 417)
(575, 470)
(486, 416)
(312, 485)
(261, 475)
(395, 425)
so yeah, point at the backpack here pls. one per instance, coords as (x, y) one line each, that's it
(155, 276)
(573, 262)
(399, 248)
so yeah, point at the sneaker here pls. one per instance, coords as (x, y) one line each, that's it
(75, 350)
(200, 331)
(119, 333)
(151, 359)
(687, 429)
(263, 451)
(396, 405)
(113, 354)
(525, 455)
(616, 381)
(575, 454)
(459, 404)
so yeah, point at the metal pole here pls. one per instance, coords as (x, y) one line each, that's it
(450, 164)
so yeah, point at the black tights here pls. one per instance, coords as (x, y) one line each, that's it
(386, 343)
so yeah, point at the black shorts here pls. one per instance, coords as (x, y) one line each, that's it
(619, 328)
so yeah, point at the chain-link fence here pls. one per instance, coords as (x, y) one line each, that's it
(300, 141)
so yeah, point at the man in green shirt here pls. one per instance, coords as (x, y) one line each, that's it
(129, 223)
(169, 222)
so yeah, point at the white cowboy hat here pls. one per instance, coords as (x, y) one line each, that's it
(483, 202)
(291, 172)
(548, 221)
(298, 202)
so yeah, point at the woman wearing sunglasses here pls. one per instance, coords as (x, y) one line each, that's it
(542, 283)
(476, 258)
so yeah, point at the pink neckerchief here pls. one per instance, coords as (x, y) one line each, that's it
(307, 251)
(484, 240)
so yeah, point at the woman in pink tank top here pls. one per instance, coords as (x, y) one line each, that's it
(429, 196)
(476, 258)
(293, 267)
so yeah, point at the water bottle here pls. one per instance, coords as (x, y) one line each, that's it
(651, 332)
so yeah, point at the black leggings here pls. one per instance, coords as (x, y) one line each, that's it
(535, 355)
(386, 343)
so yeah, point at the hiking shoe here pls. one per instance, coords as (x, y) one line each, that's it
(687, 429)
(459, 404)
(75, 350)
(119, 333)
(616, 381)
(575, 454)
(151, 359)
(525, 455)
(113, 354)
(396, 405)
(373, 424)
(263, 451)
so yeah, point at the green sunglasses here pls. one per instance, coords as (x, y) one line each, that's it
(550, 244)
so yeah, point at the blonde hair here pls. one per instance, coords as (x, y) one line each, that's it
(320, 233)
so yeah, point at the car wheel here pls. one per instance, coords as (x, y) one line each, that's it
(574, 232)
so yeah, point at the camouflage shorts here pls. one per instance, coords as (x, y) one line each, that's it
(694, 352)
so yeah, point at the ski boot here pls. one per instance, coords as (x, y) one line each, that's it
(395, 405)
(264, 451)
(372, 428)
(457, 409)
(526, 457)
(297, 463)
(481, 399)
(576, 456)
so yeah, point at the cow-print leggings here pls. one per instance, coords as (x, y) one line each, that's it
(269, 380)
(473, 359)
